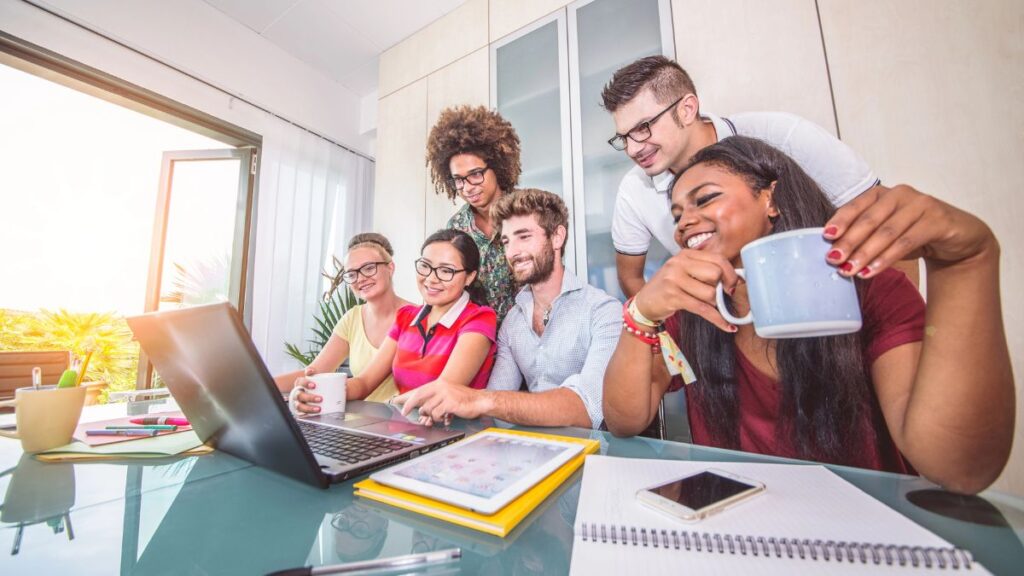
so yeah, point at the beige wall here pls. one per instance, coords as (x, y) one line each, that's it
(743, 64)
(928, 91)
(404, 120)
(399, 203)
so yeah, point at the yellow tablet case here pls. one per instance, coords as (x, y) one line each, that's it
(503, 521)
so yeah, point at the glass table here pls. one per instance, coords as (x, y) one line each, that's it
(216, 514)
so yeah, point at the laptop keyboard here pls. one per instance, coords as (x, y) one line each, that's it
(346, 447)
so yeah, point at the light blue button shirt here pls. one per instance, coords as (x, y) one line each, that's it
(582, 331)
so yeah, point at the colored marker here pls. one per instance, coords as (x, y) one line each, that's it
(160, 420)
(121, 432)
(143, 427)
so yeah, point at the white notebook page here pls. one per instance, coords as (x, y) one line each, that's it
(799, 502)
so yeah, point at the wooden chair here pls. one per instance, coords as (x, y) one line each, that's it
(16, 369)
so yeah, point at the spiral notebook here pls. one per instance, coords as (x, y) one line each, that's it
(808, 521)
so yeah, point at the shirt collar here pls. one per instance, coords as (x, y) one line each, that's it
(663, 182)
(570, 283)
(449, 317)
(722, 128)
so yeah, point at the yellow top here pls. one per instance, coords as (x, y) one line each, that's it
(361, 351)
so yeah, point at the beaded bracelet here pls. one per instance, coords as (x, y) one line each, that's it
(660, 341)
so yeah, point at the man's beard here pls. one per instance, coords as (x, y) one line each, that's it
(543, 266)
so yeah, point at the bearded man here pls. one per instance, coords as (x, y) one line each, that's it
(555, 342)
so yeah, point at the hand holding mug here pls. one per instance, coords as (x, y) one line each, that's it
(793, 291)
(884, 225)
(687, 282)
(331, 398)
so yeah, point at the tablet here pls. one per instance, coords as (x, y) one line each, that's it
(482, 473)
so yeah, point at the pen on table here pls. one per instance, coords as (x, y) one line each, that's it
(171, 427)
(139, 432)
(160, 420)
(394, 562)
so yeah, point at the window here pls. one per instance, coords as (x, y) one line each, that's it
(115, 202)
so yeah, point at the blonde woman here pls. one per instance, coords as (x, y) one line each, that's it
(362, 330)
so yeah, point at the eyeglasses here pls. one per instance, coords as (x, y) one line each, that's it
(358, 528)
(443, 273)
(367, 270)
(475, 177)
(642, 131)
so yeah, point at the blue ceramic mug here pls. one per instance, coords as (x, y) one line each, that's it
(793, 292)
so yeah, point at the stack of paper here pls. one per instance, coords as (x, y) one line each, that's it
(184, 443)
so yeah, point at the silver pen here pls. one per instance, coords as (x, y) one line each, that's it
(408, 560)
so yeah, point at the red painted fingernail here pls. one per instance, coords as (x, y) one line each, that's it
(733, 329)
(835, 255)
(831, 231)
(864, 272)
(846, 267)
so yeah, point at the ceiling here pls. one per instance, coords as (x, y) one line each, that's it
(343, 39)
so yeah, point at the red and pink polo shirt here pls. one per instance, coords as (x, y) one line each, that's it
(423, 351)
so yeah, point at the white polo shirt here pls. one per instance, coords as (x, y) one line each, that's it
(642, 204)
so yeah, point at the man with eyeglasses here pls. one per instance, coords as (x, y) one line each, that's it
(473, 153)
(556, 340)
(660, 126)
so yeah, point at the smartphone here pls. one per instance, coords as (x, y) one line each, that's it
(699, 495)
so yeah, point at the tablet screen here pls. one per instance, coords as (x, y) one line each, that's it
(483, 467)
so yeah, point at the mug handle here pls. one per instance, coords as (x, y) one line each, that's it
(724, 311)
(4, 433)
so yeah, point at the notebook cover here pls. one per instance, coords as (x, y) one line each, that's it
(503, 521)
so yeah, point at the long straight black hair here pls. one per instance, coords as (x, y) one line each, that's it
(824, 383)
(470, 259)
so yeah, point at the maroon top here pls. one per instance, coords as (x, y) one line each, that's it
(893, 315)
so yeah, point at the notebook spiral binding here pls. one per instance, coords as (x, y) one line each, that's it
(803, 549)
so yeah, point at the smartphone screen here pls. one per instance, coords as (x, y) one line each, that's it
(700, 490)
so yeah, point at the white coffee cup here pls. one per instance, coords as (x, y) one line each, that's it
(329, 386)
(793, 291)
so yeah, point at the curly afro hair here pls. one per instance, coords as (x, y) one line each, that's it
(473, 130)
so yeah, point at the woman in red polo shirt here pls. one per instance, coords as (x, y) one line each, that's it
(451, 337)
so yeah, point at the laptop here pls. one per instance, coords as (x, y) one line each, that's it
(209, 363)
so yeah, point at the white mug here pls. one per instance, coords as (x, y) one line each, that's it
(330, 386)
(793, 291)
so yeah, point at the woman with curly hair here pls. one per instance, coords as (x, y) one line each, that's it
(473, 152)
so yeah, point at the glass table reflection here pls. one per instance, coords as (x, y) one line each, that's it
(216, 514)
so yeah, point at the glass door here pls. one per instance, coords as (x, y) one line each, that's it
(605, 35)
(530, 88)
(200, 233)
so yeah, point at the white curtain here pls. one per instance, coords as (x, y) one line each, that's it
(313, 196)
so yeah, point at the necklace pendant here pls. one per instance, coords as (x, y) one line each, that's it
(547, 316)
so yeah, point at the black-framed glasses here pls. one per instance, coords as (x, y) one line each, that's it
(358, 528)
(641, 131)
(474, 177)
(443, 273)
(367, 270)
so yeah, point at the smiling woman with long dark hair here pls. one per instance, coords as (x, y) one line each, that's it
(919, 389)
